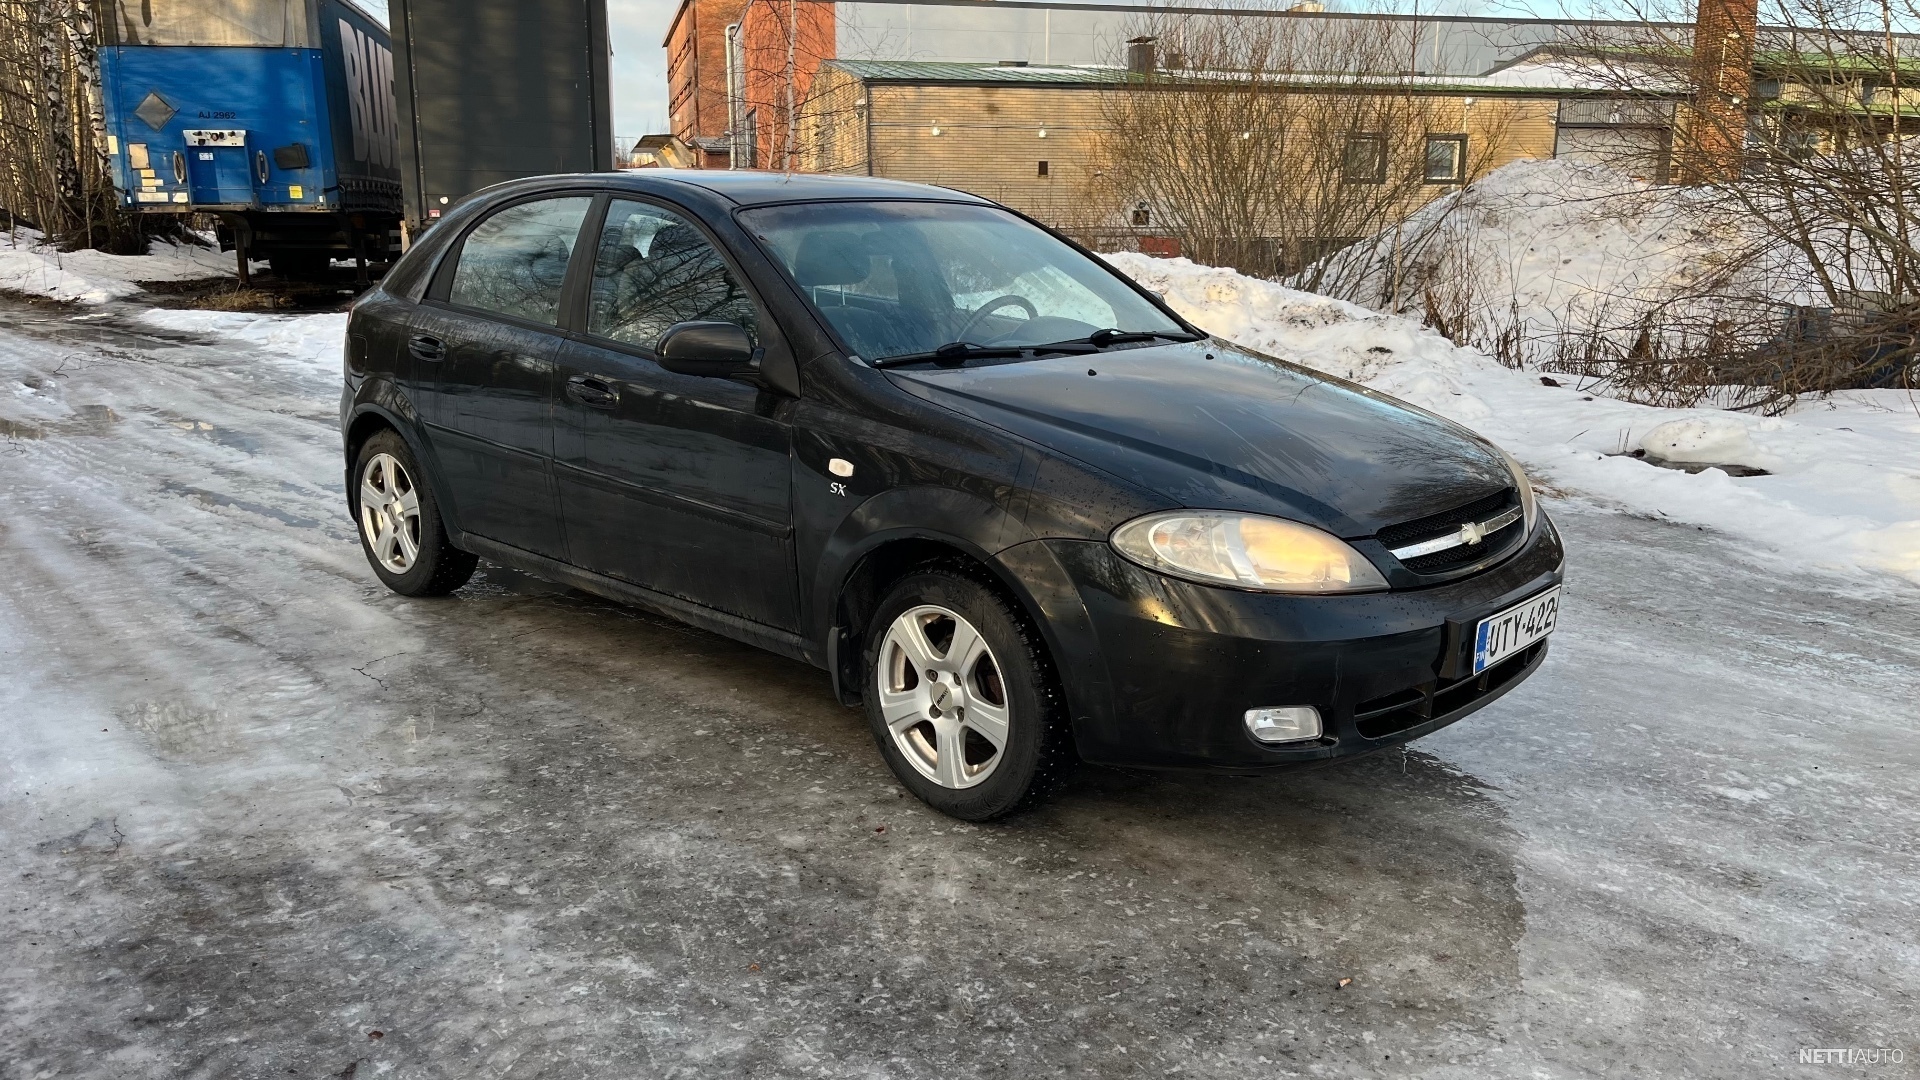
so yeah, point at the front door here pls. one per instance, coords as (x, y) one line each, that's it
(485, 343)
(218, 172)
(674, 482)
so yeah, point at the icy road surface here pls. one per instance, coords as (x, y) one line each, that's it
(263, 819)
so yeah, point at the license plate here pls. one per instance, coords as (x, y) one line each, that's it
(1500, 636)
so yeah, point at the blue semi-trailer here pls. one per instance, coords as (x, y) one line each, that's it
(276, 116)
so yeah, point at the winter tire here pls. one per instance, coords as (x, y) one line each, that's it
(399, 522)
(961, 696)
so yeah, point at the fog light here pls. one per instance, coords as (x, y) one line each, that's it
(1291, 724)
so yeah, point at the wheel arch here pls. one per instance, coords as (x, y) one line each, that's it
(884, 559)
(370, 418)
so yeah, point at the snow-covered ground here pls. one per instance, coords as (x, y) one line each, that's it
(91, 277)
(1558, 247)
(1844, 490)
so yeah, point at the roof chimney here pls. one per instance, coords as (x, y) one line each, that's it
(1716, 133)
(1140, 56)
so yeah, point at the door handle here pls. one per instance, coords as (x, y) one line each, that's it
(592, 391)
(425, 347)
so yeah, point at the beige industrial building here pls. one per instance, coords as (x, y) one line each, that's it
(1030, 137)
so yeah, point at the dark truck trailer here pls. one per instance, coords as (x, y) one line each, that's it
(494, 90)
(275, 116)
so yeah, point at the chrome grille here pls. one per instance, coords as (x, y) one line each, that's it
(1453, 538)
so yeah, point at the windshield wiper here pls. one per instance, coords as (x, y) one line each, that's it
(1113, 336)
(955, 353)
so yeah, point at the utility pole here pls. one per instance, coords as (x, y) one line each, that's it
(1716, 131)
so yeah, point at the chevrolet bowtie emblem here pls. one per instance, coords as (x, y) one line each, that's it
(1472, 533)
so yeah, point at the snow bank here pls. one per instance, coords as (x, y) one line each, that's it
(305, 341)
(1845, 485)
(1561, 247)
(93, 277)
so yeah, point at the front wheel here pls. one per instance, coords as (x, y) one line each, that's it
(400, 527)
(962, 698)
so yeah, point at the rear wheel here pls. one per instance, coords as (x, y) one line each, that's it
(961, 696)
(400, 527)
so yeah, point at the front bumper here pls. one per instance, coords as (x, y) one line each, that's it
(1159, 672)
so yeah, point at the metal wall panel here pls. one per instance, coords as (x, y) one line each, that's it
(490, 92)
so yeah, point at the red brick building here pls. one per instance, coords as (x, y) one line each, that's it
(767, 52)
(697, 78)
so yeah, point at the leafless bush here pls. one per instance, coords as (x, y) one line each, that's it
(1808, 137)
(1799, 212)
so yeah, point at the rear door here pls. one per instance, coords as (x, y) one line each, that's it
(678, 483)
(484, 343)
(218, 170)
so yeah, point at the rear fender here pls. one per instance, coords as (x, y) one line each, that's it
(379, 397)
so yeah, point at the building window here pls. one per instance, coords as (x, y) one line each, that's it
(1446, 161)
(1043, 169)
(1365, 159)
(1142, 216)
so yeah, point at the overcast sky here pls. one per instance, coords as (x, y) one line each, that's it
(639, 65)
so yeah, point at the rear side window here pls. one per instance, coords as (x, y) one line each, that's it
(515, 262)
(653, 269)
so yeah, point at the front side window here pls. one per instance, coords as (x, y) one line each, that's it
(1365, 159)
(203, 22)
(1446, 159)
(903, 278)
(653, 269)
(515, 262)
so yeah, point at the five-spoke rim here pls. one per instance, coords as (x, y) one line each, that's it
(390, 513)
(943, 696)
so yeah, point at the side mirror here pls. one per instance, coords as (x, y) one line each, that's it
(713, 350)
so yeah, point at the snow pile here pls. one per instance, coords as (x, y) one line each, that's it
(303, 341)
(92, 277)
(1560, 247)
(1845, 485)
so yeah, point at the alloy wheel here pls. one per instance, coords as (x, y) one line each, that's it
(943, 696)
(390, 513)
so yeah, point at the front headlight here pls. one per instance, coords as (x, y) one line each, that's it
(1528, 505)
(1246, 552)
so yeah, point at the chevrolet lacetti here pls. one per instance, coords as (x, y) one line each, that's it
(1020, 510)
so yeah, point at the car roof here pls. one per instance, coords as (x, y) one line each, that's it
(747, 187)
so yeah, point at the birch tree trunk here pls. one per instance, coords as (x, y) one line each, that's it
(68, 188)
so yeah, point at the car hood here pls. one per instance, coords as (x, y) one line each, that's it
(1209, 425)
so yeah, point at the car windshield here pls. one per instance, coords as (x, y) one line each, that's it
(905, 279)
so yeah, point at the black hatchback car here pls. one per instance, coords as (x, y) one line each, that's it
(1020, 510)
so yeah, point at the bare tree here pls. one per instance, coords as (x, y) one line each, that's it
(1799, 136)
(1793, 137)
(1264, 142)
(54, 168)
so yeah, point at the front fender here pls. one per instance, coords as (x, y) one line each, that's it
(991, 536)
(949, 516)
